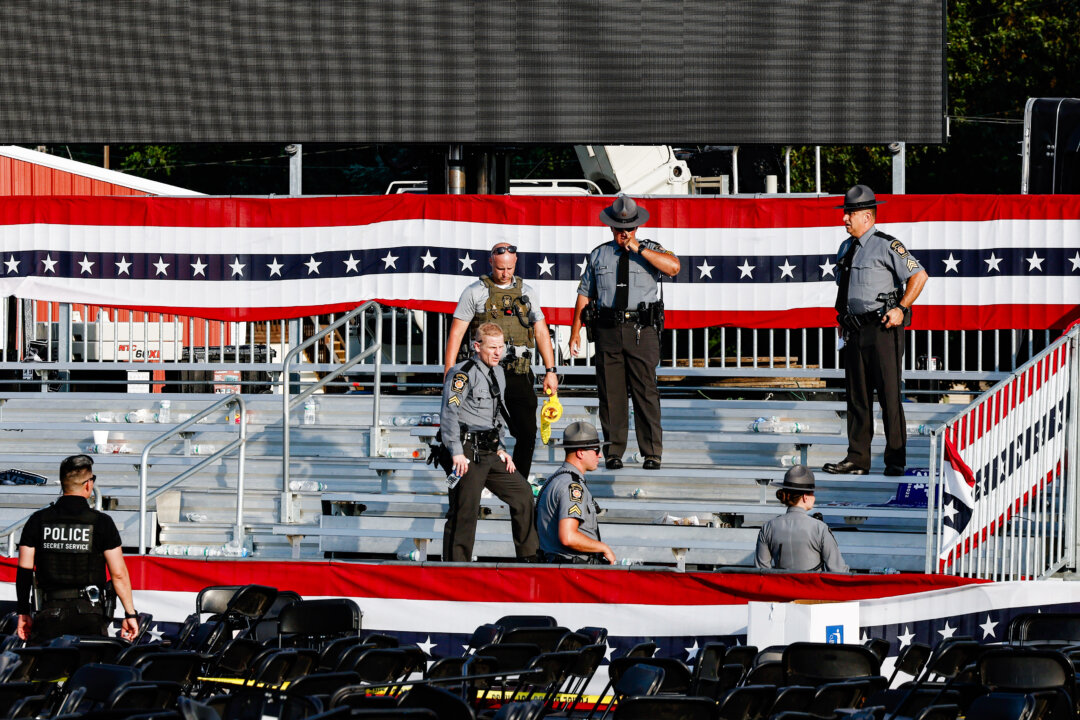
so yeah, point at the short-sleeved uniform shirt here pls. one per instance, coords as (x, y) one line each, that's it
(881, 264)
(602, 269)
(475, 296)
(61, 532)
(564, 495)
(796, 541)
(468, 404)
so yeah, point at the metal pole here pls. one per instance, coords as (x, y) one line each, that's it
(899, 164)
(455, 180)
(735, 170)
(296, 154)
(817, 169)
(239, 535)
(376, 391)
(787, 169)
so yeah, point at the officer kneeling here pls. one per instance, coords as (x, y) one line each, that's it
(795, 540)
(565, 510)
(69, 545)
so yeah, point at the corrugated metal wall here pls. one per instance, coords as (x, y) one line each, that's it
(18, 177)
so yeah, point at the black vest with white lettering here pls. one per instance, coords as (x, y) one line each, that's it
(66, 557)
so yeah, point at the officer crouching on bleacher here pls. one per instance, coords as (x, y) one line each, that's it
(69, 545)
(565, 510)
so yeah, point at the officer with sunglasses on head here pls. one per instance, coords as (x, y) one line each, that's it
(68, 546)
(501, 297)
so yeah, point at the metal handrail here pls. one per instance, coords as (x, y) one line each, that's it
(240, 442)
(288, 401)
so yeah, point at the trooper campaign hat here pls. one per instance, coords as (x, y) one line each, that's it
(624, 213)
(859, 197)
(581, 435)
(798, 479)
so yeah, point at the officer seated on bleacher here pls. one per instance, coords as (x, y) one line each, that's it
(69, 545)
(795, 540)
(565, 510)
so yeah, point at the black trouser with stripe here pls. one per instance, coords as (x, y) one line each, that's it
(625, 361)
(874, 358)
(489, 471)
(521, 402)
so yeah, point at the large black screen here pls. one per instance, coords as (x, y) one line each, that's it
(498, 71)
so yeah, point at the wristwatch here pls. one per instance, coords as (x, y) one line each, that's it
(551, 370)
(130, 616)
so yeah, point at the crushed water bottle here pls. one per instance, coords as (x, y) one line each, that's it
(789, 460)
(195, 517)
(142, 415)
(164, 413)
(775, 425)
(232, 549)
(636, 457)
(922, 429)
(305, 486)
(104, 416)
(403, 452)
(203, 449)
(453, 479)
(109, 449)
(403, 420)
(413, 555)
(639, 493)
(310, 411)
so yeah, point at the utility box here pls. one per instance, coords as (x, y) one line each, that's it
(782, 623)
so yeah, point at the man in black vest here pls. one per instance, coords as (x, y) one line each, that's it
(68, 545)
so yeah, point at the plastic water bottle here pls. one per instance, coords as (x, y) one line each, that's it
(453, 479)
(234, 550)
(922, 429)
(305, 486)
(195, 517)
(310, 409)
(401, 452)
(763, 425)
(637, 457)
(164, 414)
(141, 415)
(401, 420)
(109, 449)
(630, 561)
(413, 555)
(427, 419)
(203, 449)
(104, 416)
(639, 493)
(789, 460)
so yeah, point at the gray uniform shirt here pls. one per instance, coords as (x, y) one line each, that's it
(565, 495)
(475, 296)
(880, 265)
(601, 274)
(468, 404)
(796, 541)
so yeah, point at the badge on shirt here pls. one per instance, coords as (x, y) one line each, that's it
(506, 301)
(574, 510)
(459, 382)
(911, 264)
(898, 248)
(576, 492)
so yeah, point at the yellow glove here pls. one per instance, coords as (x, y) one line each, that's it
(549, 413)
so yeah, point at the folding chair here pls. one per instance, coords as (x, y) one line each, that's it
(180, 666)
(636, 681)
(445, 705)
(91, 686)
(546, 638)
(911, 660)
(510, 622)
(747, 702)
(313, 622)
(741, 654)
(1044, 629)
(878, 646)
(1047, 675)
(667, 708)
(580, 673)
(1003, 706)
(806, 663)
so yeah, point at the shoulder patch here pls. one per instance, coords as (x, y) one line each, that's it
(898, 248)
(574, 510)
(911, 264)
(459, 381)
(576, 492)
(655, 246)
(454, 400)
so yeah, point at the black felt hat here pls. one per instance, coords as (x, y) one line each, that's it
(581, 435)
(859, 197)
(624, 213)
(798, 479)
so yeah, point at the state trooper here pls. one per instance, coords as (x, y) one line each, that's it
(68, 546)
(473, 413)
(878, 281)
(620, 298)
(795, 540)
(566, 511)
(501, 297)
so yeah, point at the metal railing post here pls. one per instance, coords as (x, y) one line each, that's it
(375, 438)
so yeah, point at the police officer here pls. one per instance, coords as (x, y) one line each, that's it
(795, 540)
(878, 281)
(565, 510)
(621, 282)
(473, 413)
(502, 298)
(68, 545)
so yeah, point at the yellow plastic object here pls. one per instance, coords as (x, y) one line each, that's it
(549, 413)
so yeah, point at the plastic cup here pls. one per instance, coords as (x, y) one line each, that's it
(101, 437)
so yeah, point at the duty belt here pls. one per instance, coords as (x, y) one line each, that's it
(92, 593)
(611, 315)
(587, 559)
(858, 320)
(482, 439)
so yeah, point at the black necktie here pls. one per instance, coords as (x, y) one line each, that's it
(497, 395)
(622, 281)
(845, 279)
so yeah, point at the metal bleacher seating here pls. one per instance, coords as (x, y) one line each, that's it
(715, 478)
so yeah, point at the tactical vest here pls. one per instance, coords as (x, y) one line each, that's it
(509, 309)
(66, 558)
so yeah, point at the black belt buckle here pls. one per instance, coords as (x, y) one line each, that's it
(92, 593)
